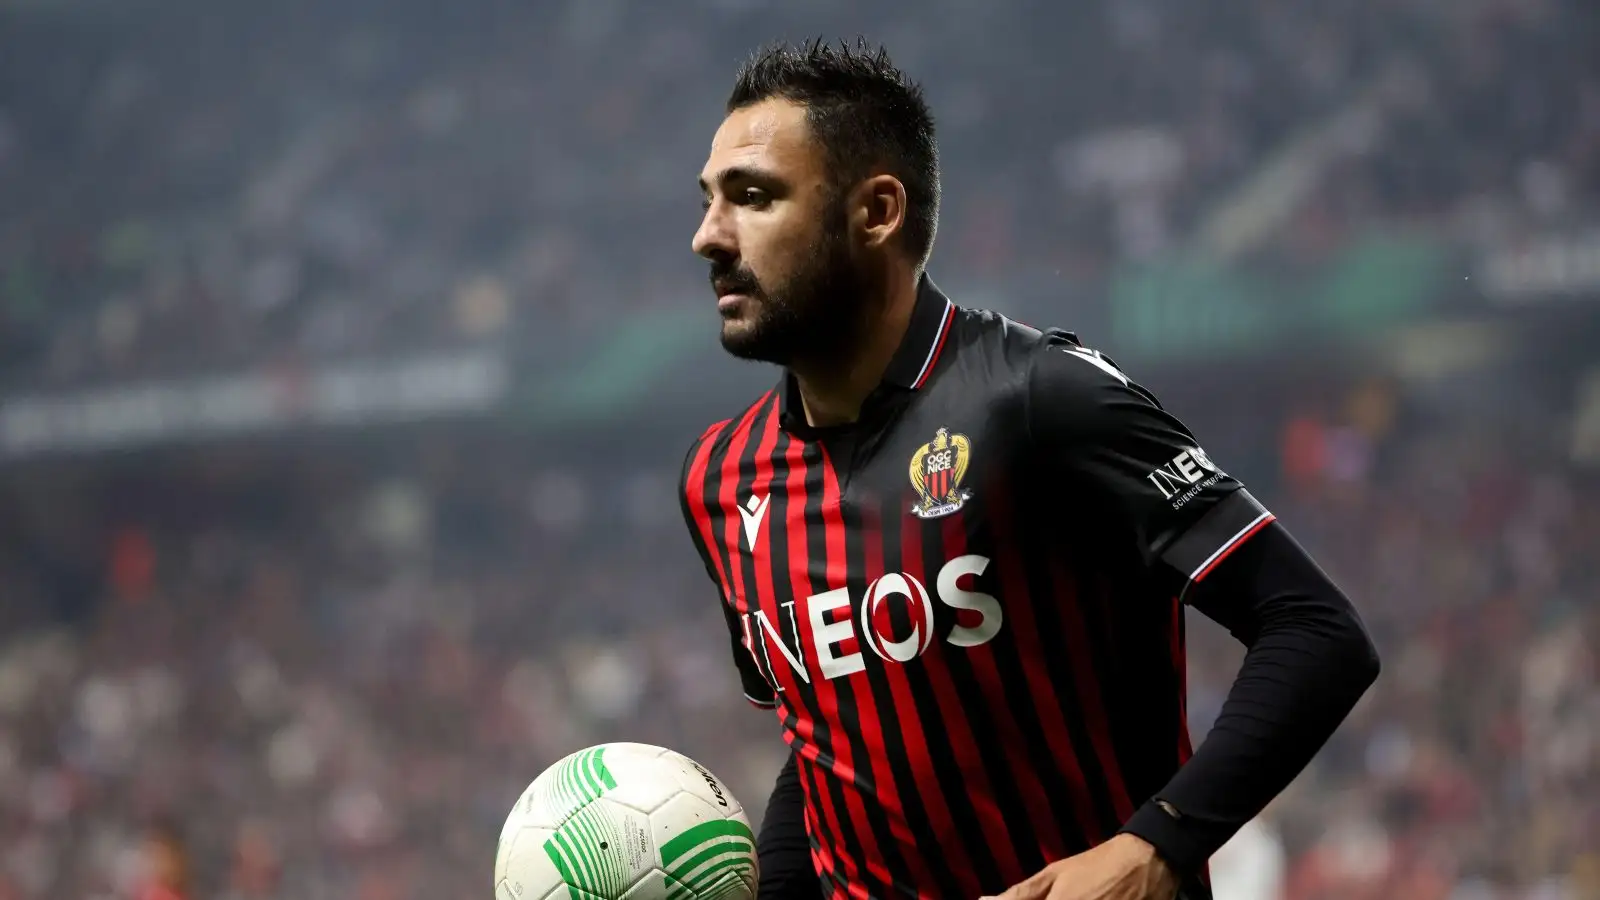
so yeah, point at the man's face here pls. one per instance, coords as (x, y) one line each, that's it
(786, 281)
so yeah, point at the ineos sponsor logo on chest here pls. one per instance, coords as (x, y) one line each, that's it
(841, 631)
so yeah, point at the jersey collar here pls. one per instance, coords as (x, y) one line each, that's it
(919, 350)
(913, 363)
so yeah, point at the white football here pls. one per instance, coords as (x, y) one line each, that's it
(630, 821)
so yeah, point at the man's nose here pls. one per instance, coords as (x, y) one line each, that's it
(715, 237)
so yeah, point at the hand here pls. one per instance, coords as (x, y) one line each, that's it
(1123, 868)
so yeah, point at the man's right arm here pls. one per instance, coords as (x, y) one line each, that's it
(783, 847)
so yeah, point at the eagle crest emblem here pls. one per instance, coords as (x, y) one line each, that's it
(937, 470)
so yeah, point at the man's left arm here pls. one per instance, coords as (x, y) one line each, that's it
(1309, 658)
(1309, 661)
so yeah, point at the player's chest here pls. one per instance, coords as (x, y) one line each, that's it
(875, 544)
(822, 510)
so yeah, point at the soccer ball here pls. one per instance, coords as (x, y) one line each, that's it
(626, 822)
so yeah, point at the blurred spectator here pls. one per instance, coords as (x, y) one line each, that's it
(1251, 865)
(165, 874)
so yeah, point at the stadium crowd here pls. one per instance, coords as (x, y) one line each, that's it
(192, 190)
(266, 671)
(330, 674)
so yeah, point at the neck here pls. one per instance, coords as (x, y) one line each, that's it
(833, 390)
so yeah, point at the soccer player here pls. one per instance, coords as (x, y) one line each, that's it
(954, 550)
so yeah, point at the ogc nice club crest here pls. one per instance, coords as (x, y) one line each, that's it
(937, 469)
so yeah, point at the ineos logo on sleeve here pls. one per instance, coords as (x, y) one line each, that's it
(1189, 468)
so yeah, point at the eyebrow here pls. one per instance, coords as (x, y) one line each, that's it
(737, 173)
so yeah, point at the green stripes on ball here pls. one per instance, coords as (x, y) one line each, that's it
(576, 783)
(709, 861)
(580, 846)
(582, 850)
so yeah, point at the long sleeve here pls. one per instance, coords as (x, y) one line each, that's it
(1309, 660)
(783, 847)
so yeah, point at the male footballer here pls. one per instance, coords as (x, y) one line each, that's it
(954, 551)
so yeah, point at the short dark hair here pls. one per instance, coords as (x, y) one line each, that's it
(867, 115)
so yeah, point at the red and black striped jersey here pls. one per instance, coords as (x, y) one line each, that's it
(966, 607)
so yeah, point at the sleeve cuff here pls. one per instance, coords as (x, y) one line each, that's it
(1183, 843)
(1203, 547)
(760, 702)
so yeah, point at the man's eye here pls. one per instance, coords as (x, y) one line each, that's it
(754, 197)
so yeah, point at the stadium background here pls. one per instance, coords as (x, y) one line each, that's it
(349, 348)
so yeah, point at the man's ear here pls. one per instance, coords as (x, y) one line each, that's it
(877, 210)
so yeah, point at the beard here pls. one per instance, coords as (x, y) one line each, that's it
(816, 314)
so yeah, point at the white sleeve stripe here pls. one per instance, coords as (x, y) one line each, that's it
(1229, 544)
(1205, 568)
(764, 704)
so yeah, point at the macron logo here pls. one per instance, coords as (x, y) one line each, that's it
(752, 513)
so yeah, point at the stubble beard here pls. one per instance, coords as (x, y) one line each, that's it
(817, 315)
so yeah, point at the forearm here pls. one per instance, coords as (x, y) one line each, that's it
(1309, 661)
(783, 847)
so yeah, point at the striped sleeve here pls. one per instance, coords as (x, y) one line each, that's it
(1128, 454)
(697, 516)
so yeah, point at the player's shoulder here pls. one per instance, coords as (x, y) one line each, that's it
(712, 446)
(976, 325)
(1026, 353)
(1052, 375)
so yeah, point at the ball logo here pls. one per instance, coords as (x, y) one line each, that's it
(711, 782)
(921, 609)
